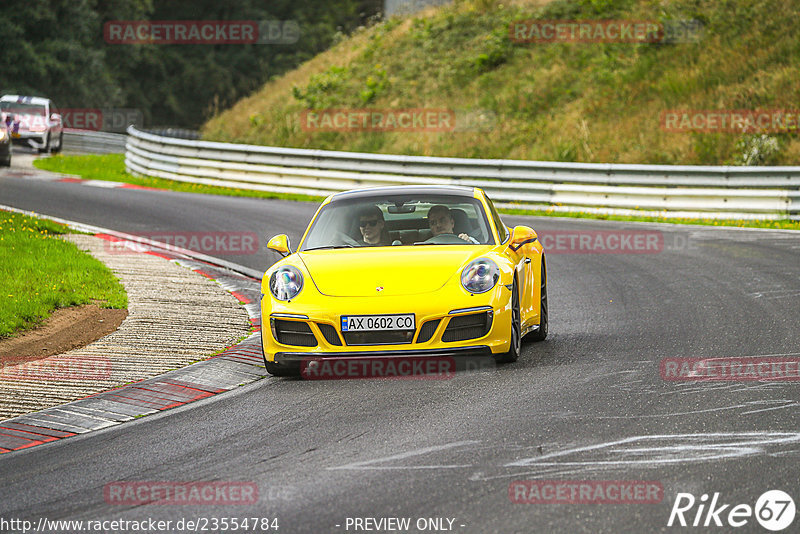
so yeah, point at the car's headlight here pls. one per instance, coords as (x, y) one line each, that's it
(286, 282)
(2, 134)
(480, 275)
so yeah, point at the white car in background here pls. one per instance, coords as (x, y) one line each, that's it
(5, 142)
(34, 121)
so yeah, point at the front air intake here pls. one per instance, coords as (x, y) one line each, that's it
(472, 326)
(427, 330)
(296, 333)
(330, 334)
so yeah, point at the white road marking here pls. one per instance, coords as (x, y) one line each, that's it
(775, 294)
(369, 464)
(783, 403)
(678, 448)
(789, 404)
(552, 465)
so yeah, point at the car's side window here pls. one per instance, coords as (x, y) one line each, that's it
(502, 231)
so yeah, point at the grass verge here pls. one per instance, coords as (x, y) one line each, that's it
(112, 167)
(40, 272)
(549, 101)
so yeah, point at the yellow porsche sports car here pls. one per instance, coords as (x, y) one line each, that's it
(403, 271)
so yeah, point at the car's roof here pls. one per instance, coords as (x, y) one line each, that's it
(25, 99)
(411, 190)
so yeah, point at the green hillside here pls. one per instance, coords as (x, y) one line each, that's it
(589, 102)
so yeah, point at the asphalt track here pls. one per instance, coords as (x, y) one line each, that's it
(589, 403)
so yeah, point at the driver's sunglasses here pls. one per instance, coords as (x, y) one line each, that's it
(369, 223)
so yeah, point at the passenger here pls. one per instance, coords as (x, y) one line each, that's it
(373, 227)
(441, 222)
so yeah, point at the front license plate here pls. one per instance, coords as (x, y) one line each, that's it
(372, 323)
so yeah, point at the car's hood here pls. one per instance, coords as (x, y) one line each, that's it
(387, 271)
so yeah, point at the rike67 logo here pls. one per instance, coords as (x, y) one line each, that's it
(774, 510)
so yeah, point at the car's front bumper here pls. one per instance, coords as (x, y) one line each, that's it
(476, 325)
(34, 140)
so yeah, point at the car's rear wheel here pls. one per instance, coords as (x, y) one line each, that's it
(516, 330)
(541, 333)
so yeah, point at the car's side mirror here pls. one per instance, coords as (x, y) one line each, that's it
(55, 117)
(521, 236)
(280, 244)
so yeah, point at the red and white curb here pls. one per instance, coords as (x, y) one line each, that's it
(107, 184)
(46, 176)
(236, 366)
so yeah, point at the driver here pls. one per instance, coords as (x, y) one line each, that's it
(373, 227)
(441, 221)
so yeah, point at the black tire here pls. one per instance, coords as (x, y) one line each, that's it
(541, 333)
(60, 144)
(46, 148)
(7, 161)
(516, 330)
(276, 369)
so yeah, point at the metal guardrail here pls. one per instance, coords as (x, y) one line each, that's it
(168, 131)
(93, 142)
(672, 190)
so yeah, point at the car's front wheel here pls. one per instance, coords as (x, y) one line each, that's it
(541, 333)
(46, 148)
(276, 369)
(515, 346)
(60, 144)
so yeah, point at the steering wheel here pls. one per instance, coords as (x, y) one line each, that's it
(445, 239)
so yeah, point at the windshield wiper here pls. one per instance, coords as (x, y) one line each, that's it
(328, 247)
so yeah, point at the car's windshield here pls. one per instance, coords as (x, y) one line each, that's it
(23, 109)
(399, 221)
